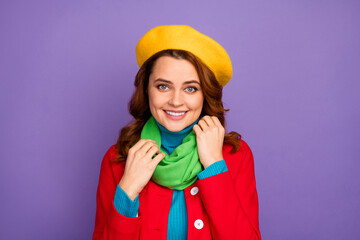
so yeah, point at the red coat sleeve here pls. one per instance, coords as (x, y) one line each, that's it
(230, 198)
(109, 224)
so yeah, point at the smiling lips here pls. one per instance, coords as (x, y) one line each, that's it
(175, 115)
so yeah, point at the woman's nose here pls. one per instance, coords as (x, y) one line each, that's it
(176, 99)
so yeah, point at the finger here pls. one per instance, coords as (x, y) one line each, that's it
(139, 145)
(153, 145)
(158, 159)
(146, 147)
(204, 126)
(209, 121)
(219, 125)
(217, 122)
(197, 130)
(152, 151)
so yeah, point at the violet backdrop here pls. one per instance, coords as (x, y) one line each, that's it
(66, 75)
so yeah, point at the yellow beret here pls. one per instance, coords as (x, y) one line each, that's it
(184, 37)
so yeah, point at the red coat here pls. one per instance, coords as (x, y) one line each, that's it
(223, 206)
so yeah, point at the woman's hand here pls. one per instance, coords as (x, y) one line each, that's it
(140, 166)
(210, 137)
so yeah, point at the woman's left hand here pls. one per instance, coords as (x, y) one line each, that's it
(210, 137)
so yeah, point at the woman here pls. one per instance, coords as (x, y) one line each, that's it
(174, 172)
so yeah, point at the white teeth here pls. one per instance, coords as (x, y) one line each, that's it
(175, 114)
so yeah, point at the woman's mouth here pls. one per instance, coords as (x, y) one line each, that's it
(175, 115)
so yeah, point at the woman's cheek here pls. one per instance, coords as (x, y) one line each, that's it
(196, 102)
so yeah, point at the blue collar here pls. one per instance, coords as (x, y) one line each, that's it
(170, 140)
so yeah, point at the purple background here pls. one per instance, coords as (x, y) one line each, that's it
(67, 70)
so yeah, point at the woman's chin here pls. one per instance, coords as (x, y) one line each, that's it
(174, 128)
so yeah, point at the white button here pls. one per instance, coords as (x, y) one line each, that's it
(199, 224)
(194, 190)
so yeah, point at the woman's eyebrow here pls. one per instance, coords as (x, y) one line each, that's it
(192, 81)
(169, 82)
(162, 80)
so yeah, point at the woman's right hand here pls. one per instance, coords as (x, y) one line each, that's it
(140, 166)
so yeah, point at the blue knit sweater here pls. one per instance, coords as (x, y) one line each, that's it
(177, 221)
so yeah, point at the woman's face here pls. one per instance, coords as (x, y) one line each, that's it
(175, 96)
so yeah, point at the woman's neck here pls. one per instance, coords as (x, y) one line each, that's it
(170, 140)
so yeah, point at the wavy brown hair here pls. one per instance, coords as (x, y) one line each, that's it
(139, 102)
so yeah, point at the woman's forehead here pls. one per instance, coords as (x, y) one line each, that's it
(172, 69)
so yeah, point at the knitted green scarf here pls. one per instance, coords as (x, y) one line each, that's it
(179, 169)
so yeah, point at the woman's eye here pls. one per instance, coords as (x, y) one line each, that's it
(191, 89)
(162, 87)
